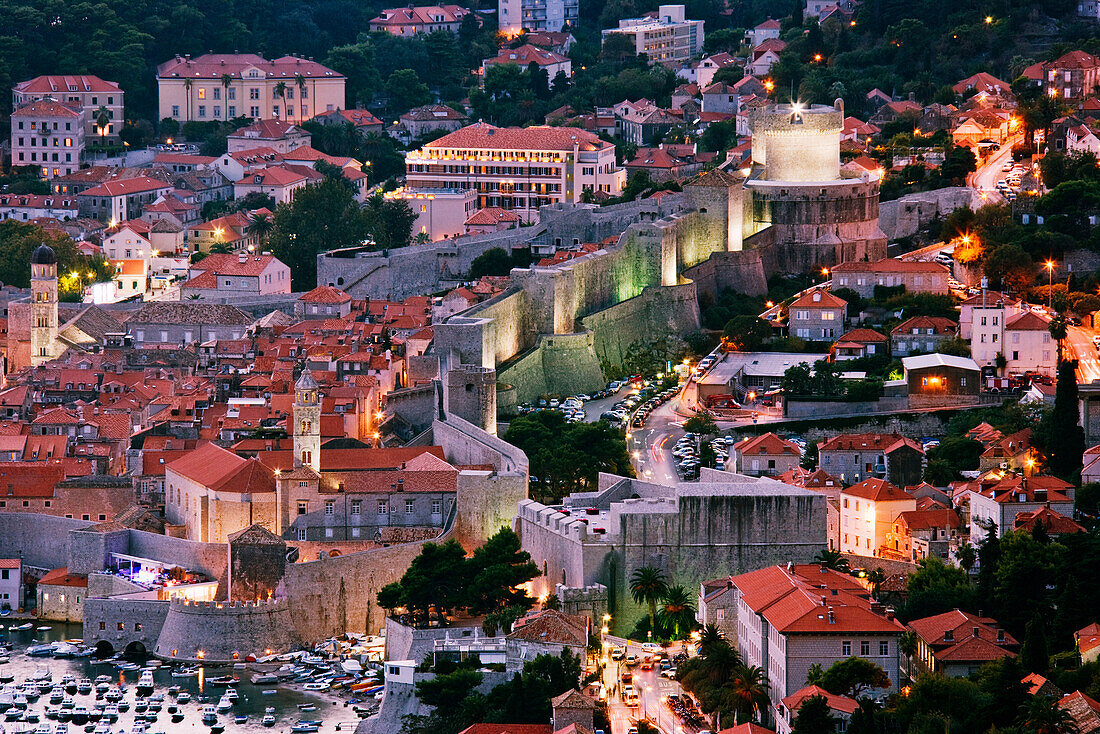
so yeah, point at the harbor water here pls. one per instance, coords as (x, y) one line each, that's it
(332, 713)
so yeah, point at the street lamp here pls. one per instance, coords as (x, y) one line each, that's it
(1049, 265)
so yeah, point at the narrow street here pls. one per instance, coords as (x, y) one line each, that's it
(653, 691)
(986, 177)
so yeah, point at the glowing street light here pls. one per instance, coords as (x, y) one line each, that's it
(1049, 265)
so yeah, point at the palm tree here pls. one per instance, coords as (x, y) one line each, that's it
(677, 611)
(710, 638)
(280, 90)
(227, 79)
(747, 693)
(187, 84)
(300, 82)
(875, 577)
(1043, 715)
(907, 645)
(260, 226)
(647, 585)
(102, 119)
(834, 560)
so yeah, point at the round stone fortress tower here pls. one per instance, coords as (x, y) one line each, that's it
(817, 215)
(798, 143)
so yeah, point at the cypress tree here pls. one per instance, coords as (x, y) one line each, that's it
(1068, 438)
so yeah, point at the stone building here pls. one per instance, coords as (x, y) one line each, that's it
(723, 523)
(60, 596)
(257, 564)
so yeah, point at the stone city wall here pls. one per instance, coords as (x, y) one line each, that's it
(671, 311)
(910, 214)
(41, 541)
(560, 364)
(225, 631)
(122, 622)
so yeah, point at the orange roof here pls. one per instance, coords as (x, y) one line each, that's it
(484, 136)
(216, 468)
(928, 519)
(1028, 321)
(886, 442)
(508, 729)
(10, 563)
(62, 577)
(325, 294)
(1054, 522)
(45, 108)
(945, 630)
(877, 490)
(863, 336)
(492, 215)
(890, 265)
(214, 66)
(230, 264)
(126, 187)
(837, 703)
(766, 444)
(819, 298)
(61, 84)
(938, 324)
(527, 54)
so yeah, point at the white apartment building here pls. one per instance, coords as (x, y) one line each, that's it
(82, 91)
(1012, 496)
(48, 135)
(867, 514)
(668, 38)
(517, 169)
(553, 16)
(1011, 328)
(11, 584)
(789, 619)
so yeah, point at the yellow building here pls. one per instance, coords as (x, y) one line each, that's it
(224, 86)
(867, 514)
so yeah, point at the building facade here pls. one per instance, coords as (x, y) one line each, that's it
(667, 38)
(48, 135)
(517, 169)
(916, 277)
(100, 100)
(514, 16)
(215, 87)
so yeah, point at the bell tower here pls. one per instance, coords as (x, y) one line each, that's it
(43, 305)
(307, 422)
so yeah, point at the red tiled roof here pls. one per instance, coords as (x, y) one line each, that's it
(837, 703)
(125, 187)
(285, 175)
(825, 300)
(1084, 710)
(492, 215)
(10, 563)
(890, 265)
(1054, 522)
(213, 66)
(45, 108)
(928, 519)
(944, 631)
(938, 324)
(552, 627)
(1027, 321)
(216, 468)
(526, 54)
(62, 84)
(484, 136)
(766, 444)
(267, 130)
(886, 442)
(863, 336)
(62, 577)
(325, 294)
(230, 264)
(419, 15)
(877, 490)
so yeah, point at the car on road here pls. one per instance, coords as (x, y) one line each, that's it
(669, 673)
(617, 654)
(631, 660)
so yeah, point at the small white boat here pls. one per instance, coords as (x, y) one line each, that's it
(231, 694)
(184, 697)
(224, 704)
(185, 672)
(145, 683)
(22, 627)
(45, 628)
(209, 714)
(316, 686)
(268, 720)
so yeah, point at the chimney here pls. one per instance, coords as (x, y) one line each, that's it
(242, 258)
(890, 613)
(832, 616)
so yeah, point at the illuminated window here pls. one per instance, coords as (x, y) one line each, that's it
(202, 92)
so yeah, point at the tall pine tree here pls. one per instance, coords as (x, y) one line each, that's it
(1067, 443)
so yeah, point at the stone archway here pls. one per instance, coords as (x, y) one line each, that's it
(104, 649)
(136, 649)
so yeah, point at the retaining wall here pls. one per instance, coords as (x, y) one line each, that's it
(124, 621)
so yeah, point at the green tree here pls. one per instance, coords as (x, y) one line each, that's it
(1065, 454)
(260, 226)
(746, 333)
(448, 690)
(936, 587)
(1010, 267)
(1043, 715)
(1033, 653)
(852, 676)
(701, 424)
(677, 614)
(747, 693)
(494, 261)
(434, 582)
(834, 560)
(498, 570)
(323, 216)
(907, 646)
(814, 717)
(648, 585)
(389, 221)
(958, 164)
(406, 91)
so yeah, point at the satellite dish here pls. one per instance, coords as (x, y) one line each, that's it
(292, 555)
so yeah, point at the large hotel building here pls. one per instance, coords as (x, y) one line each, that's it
(517, 169)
